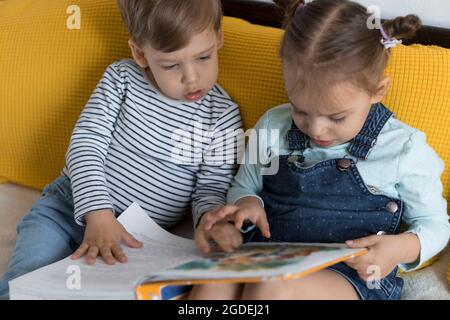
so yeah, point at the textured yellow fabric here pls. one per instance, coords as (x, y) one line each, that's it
(250, 69)
(48, 73)
(420, 95)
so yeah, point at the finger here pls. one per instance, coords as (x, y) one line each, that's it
(363, 242)
(223, 242)
(202, 241)
(240, 218)
(365, 259)
(131, 241)
(214, 216)
(80, 251)
(92, 254)
(107, 256)
(237, 240)
(263, 226)
(118, 253)
(365, 272)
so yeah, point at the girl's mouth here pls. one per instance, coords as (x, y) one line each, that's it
(322, 143)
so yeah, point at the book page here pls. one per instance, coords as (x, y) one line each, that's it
(75, 279)
(261, 260)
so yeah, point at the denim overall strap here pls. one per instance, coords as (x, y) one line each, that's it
(297, 140)
(366, 139)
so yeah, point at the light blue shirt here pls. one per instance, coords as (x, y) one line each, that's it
(401, 165)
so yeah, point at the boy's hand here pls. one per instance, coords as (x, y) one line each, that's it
(248, 208)
(385, 253)
(222, 232)
(102, 237)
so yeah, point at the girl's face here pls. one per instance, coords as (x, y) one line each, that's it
(335, 123)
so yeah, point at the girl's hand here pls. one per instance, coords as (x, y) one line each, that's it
(248, 208)
(102, 237)
(385, 253)
(226, 236)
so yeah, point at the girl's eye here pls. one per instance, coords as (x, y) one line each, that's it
(170, 67)
(205, 58)
(300, 113)
(338, 120)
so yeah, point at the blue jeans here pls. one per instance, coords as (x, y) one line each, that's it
(46, 234)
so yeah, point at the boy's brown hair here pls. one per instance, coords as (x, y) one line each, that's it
(168, 25)
(329, 42)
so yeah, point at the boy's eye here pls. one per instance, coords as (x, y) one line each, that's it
(170, 67)
(338, 120)
(205, 58)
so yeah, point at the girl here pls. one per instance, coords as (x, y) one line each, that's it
(348, 170)
(134, 141)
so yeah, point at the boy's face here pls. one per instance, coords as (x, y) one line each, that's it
(335, 123)
(186, 74)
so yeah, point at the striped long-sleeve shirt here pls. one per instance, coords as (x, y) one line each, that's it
(132, 144)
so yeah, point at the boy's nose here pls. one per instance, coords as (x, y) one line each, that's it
(190, 76)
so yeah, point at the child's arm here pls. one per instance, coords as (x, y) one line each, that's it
(247, 184)
(85, 161)
(421, 189)
(90, 140)
(219, 165)
(425, 213)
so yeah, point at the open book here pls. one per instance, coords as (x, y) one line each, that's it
(251, 262)
(167, 266)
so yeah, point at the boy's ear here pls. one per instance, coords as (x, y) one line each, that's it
(138, 54)
(383, 88)
(220, 39)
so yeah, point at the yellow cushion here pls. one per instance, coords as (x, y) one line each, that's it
(48, 73)
(250, 69)
(420, 95)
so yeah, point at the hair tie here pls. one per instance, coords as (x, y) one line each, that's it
(387, 41)
(300, 7)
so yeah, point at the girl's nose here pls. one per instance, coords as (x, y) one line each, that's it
(316, 130)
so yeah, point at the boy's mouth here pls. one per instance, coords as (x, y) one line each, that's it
(193, 96)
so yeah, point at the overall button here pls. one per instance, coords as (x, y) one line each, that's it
(292, 159)
(392, 207)
(343, 164)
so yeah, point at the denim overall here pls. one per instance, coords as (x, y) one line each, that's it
(330, 203)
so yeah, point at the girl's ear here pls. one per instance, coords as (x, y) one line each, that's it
(138, 54)
(383, 88)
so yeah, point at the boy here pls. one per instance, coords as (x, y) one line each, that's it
(126, 144)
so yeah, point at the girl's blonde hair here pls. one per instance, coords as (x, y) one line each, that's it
(168, 25)
(330, 42)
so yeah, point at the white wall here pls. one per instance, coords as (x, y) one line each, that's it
(432, 12)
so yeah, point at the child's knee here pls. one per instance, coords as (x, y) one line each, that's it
(223, 291)
(271, 290)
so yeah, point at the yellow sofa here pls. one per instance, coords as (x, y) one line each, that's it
(53, 54)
